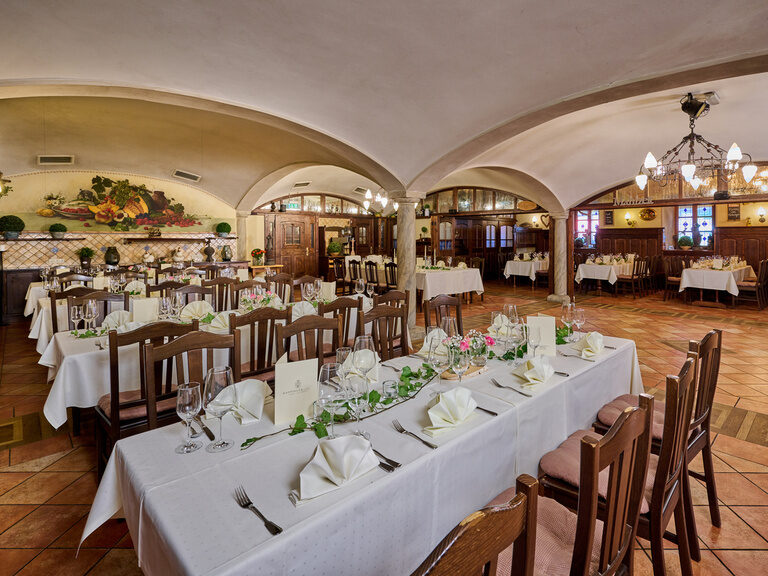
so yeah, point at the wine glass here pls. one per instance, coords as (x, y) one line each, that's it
(534, 339)
(510, 311)
(75, 314)
(327, 392)
(177, 304)
(217, 380)
(164, 307)
(359, 286)
(55, 283)
(579, 318)
(513, 342)
(318, 285)
(449, 326)
(369, 289)
(449, 260)
(459, 361)
(306, 290)
(89, 313)
(566, 315)
(438, 359)
(357, 392)
(188, 404)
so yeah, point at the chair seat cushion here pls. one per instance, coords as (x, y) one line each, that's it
(624, 276)
(134, 412)
(746, 284)
(555, 538)
(673, 279)
(610, 412)
(563, 463)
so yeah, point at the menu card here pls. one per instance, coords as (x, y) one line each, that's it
(145, 309)
(100, 282)
(295, 389)
(242, 274)
(546, 328)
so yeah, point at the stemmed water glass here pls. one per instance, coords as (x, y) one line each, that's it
(164, 307)
(459, 361)
(90, 311)
(306, 291)
(438, 359)
(534, 339)
(369, 289)
(177, 304)
(357, 391)
(566, 315)
(579, 319)
(449, 326)
(510, 311)
(359, 286)
(318, 286)
(217, 380)
(188, 404)
(328, 395)
(513, 342)
(76, 314)
(364, 360)
(55, 283)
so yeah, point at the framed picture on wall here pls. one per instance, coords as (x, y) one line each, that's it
(734, 211)
(609, 217)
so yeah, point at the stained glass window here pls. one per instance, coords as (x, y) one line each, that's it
(587, 223)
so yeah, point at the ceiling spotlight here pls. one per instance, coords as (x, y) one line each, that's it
(368, 195)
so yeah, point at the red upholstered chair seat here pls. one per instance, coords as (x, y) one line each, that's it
(134, 412)
(610, 412)
(555, 536)
(563, 464)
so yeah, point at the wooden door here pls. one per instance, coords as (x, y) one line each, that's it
(296, 246)
(491, 252)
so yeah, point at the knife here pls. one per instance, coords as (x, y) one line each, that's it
(205, 428)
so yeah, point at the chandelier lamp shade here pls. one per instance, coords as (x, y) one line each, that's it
(695, 158)
(380, 199)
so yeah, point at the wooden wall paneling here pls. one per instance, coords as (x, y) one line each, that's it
(642, 241)
(749, 242)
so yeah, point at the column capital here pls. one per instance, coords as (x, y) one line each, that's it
(559, 215)
(243, 213)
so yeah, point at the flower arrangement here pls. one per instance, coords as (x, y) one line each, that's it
(258, 256)
(249, 301)
(478, 345)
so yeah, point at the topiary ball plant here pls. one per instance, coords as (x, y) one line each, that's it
(57, 230)
(11, 226)
(685, 242)
(334, 248)
(223, 228)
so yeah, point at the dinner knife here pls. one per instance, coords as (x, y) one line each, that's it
(205, 428)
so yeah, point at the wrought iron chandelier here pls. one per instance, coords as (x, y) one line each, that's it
(695, 169)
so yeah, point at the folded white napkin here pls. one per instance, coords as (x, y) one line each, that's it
(598, 260)
(115, 319)
(526, 256)
(717, 264)
(590, 345)
(129, 326)
(136, 286)
(196, 310)
(461, 265)
(145, 309)
(350, 370)
(437, 333)
(440, 263)
(501, 327)
(221, 320)
(537, 370)
(302, 308)
(451, 409)
(250, 400)
(335, 463)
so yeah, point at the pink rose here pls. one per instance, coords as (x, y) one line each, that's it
(490, 341)
(463, 345)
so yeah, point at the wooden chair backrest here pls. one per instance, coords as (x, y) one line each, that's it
(68, 278)
(282, 285)
(246, 284)
(390, 274)
(338, 270)
(310, 332)
(132, 274)
(762, 275)
(56, 296)
(442, 306)
(388, 324)
(192, 346)
(708, 352)
(222, 291)
(371, 272)
(473, 547)
(192, 293)
(165, 288)
(396, 298)
(106, 299)
(157, 333)
(262, 324)
(355, 270)
(478, 262)
(306, 279)
(346, 309)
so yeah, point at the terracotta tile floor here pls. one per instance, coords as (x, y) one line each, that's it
(47, 478)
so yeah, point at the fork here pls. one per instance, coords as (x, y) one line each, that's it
(496, 383)
(399, 428)
(245, 502)
(575, 356)
(395, 368)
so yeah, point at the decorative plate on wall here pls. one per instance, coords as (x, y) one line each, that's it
(647, 214)
(526, 205)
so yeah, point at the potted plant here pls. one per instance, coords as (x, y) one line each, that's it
(85, 254)
(258, 256)
(423, 231)
(334, 249)
(579, 242)
(57, 230)
(223, 229)
(426, 210)
(11, 226)
(685, 242)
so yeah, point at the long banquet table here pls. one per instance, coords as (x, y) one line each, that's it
(525, 268)
(721, 280)
(609, 272)
(453, 281)
(183, 518)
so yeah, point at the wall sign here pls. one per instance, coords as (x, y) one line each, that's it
(734, 212)
(609, 217)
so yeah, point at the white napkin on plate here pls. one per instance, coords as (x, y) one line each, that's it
(115, 319)
(302, 308)
(196, 310)
(438, 333)
(350, 370)
(537, 370)
(452, 409)
(590, 345)
(221, 320)
(501, 327)
(251, 395)
(461, 266)
(335, 463)
(136, 286)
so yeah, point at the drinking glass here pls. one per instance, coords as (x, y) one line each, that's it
(510, 311)
(449, 260)
(327, 392)
(534, 340)
(76, 314)
(216, 381)
(579, 318)
(89, 313)
(165, 307)
(357, 392)
(359, 286)
(177, 304)
(449, 326)
(438, 359)
(55, 284)
(318, 285)
(188, 404)
(369, 289)
(389, 389)
(459, 361)
(566, 315)
(306, 291)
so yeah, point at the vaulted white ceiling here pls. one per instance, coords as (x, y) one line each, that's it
(404, 92)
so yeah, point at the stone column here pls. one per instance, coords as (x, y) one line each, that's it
(558, 257)
(242, 235)
(406, 252)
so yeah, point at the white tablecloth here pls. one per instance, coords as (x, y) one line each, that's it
(35, 292)
(608, 272)
(454, 281)
(709, 279)
(183, 518)
(525, 268)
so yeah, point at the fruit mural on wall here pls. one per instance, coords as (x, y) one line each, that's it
(119, 205)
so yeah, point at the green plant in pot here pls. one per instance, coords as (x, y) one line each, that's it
(57, 230)
(423, 231)
(85, 254)
(685, 242)
(223, 229)
(11, 226)
(334, 248)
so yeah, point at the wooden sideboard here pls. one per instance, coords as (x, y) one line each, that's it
(749, 242)
(642, 241)
(15, 284)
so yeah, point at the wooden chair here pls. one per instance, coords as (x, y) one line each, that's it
(442, 306)
(372, 276)
(106, 300)
(310, 332)
(56, 296)
(389, 330)
(479, 263)
(340, 275)
(164, 288)
(672, 276)
(390, 275)
(129, 274)
(355, 271)
(397, 298)
(473, 547)
(306, 279)
(756, 290)
(245, 285)
(131, 406)
(345, 309)
(193, 293)
(210, 271)
(67, 279)
(635, 280)
(262, 326)
(665, 486)
(282, 285)
(222, 292)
